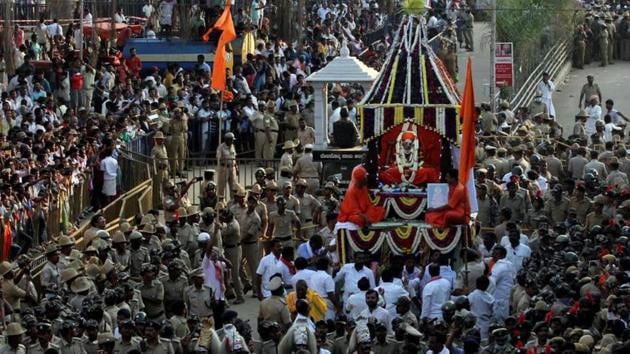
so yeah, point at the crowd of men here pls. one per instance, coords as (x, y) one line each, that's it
(547, 273)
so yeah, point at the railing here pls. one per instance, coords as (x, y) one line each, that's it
(137, 199)
(196, 166)
(552, 63)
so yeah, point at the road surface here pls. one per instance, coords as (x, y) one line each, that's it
(613, 80)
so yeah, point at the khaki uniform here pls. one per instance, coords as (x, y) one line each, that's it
(468, 20)
(283, 226)
(36, 348)
(187, 237)
(154, 291)
(176, 144)
(274, 308)
(310, 170)
(489, 122)
(180, 326)
(6, 349)
(261, 210)
(328, 205)
(593, 219)
(159, 154)
(123, 347)
(233, 253)
(612, 35)
(582, 207)
(227, 169)
(293, 204)
(557, 211)
(173, 291)
(250, 231)
(603, 46)
(49, 275)
(13, 294)
(292, 121)
(309, 207)
(306, 135)
(384, 348)
(162, 347)
(265, 135)
(74, 347)
(121, 259)
(136, 259)
(517, 204)
(198, 301)
(91, 347)
(588, 91)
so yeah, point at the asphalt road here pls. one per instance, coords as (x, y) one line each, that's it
(613, 81)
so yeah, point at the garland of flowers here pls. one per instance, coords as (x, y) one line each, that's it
(401, 160)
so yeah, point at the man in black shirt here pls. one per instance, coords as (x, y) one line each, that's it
(344, 134)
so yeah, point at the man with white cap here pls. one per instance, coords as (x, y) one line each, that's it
(228, 169)
(308, 169)
(13, 335)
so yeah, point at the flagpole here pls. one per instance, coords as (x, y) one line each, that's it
(220, 115)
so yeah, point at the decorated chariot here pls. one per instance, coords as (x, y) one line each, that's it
(409, 125)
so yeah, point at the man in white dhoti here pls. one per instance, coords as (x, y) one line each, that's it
(547, 87)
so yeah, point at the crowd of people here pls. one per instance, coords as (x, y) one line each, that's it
(547, 273)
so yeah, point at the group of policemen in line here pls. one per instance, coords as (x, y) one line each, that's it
(603, 36)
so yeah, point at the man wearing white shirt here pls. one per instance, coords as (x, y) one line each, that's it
(547, 87)
(446, 271)
(267, 267)
(352, 272)
(482, 305)
(505, 239)
(594, 111)
(434, 294)
(502, 275)
(302, 272)
(381, 315)
(324, 285)
(390, 291)
(109, 166)
(356, 302)
(54, 29)
(517, 252)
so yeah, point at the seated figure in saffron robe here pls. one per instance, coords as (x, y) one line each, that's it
(356, 206)
(457, 211)
(409, 163)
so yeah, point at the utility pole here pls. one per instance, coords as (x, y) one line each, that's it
(493, 41)
(7, 38)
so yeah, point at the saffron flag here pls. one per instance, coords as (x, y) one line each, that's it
(228, 34)
(468, 116)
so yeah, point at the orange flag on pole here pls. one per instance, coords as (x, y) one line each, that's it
(468, 114)
(228, 34)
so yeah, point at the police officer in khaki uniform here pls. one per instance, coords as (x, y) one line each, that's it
(127, 341)
(69, 343)
(152, 291)
(44, 342)
(11, 292)
(176, 144)
(50, 272)
(250, 226)
(282, 223)
(232, 246)
(266, 132)
(228, 168)
(160, 157)
(292, 203)
(13, 334)
(308, 169)
(309, 209)
(174, 284)
(138, 255)
(274, 308)
(292, 118)
(197, 297)
(153, 344)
